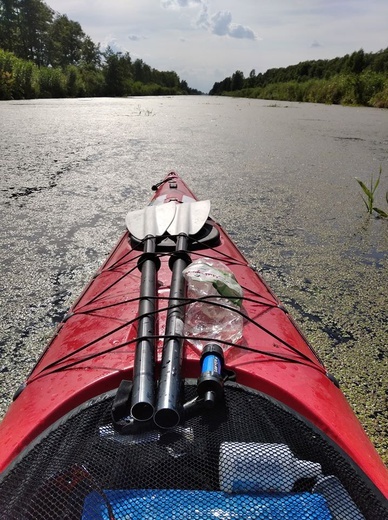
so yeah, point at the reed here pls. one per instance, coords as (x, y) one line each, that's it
(369, 198)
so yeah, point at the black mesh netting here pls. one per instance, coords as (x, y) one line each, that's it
(248, 458)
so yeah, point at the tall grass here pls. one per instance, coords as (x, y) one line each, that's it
(19, 79)
(369, 196)
(368, 89)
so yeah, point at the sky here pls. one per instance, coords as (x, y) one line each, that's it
(205, 41)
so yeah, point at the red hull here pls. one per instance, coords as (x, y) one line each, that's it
(93, 350)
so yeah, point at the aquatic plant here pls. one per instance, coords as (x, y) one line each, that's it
(370, 196)
(144, 111)
(380, 212)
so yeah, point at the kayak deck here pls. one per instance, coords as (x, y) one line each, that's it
(71, 390)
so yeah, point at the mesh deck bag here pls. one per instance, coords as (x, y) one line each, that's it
(250, 457)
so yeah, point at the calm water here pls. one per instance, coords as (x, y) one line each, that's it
(281, 177)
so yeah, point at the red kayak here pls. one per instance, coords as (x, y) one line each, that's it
(179, 386)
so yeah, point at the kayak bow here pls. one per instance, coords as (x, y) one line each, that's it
(241, 423)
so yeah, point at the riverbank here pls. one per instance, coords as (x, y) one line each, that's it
(369, 89)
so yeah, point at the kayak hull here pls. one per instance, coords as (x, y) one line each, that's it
(93, 350)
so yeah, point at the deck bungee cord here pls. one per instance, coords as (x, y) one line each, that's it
(185, 301)
(138, 261)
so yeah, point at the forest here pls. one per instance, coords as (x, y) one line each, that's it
(357, 79)
(45, 54)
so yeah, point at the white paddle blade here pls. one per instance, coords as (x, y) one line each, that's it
(189, 217)
(150, 221)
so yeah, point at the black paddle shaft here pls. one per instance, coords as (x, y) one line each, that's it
(167, 413)
(143, 391)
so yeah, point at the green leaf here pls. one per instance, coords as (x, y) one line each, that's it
(368, 208)
(380, 212)
(377, 183)
(366, 190)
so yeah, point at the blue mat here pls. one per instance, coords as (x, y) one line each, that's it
(167, 504)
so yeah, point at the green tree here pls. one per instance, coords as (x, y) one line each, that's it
(237, 80)
(118, 72)
(66, 42)
(90, 53)
(33, 20)
(8, 26)
(138, 71)
(357, 62)
(168, 79)
(379, 62)
(251, 80)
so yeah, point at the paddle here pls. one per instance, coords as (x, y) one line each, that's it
(189, 219)
(151, 221)
(147, 224)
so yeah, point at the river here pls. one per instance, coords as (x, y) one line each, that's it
(281, 178)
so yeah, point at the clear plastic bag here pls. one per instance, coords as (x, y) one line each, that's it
(207, 319)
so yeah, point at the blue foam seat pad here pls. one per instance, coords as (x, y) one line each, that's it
(163, 504)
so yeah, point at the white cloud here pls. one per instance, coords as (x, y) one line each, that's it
(239, 31)
(203, 18)
(114, 44)
(176, 4)
(220, 23)
(136, 38)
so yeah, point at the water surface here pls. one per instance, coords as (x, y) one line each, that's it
(281, 177)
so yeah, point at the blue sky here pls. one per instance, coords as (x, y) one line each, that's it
(205, 41)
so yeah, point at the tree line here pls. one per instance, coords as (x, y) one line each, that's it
(359, 78)
(45, 54)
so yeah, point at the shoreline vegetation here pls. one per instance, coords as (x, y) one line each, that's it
(117, 76)
(359, 79)
(44, 54)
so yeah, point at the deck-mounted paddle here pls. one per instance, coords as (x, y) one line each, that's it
(145, 225)
(189, 219)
